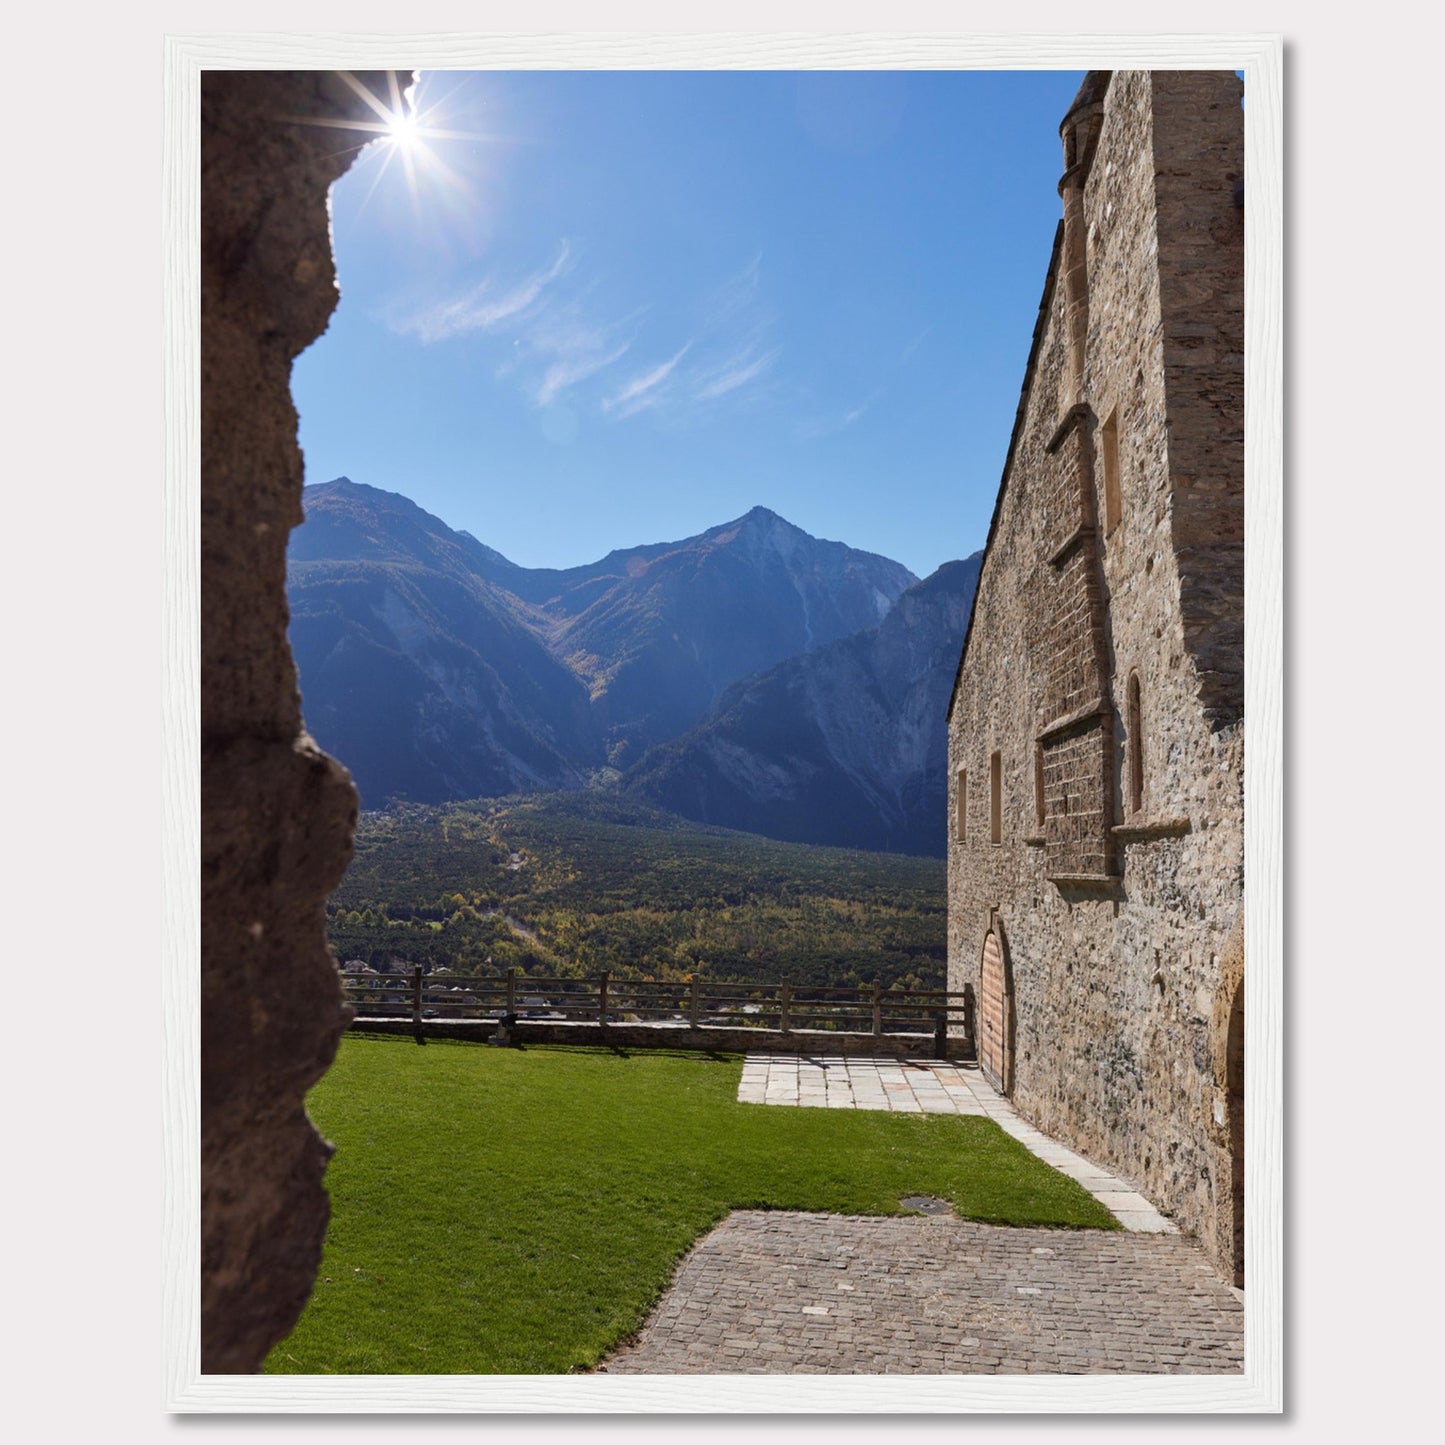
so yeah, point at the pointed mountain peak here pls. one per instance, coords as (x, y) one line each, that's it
(337, 484)
(759, 522)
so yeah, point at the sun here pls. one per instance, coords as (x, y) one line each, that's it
(403, 128)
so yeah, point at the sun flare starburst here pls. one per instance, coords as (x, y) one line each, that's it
(402, 128)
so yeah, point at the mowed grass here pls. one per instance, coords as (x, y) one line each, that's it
(499, 1211)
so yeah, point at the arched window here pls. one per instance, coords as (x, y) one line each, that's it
(1134, 745)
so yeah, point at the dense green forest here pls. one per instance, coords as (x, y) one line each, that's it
(569, 884)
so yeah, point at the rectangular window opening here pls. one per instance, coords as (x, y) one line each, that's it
(1110, 450)
(995, 799)
(1039, 784)
(1134, 741)
(960, 824)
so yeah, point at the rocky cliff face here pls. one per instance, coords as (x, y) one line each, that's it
(439, 669)
(846, 744)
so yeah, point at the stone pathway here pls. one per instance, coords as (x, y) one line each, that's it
(927, 1087)
(783, 1293)
(773, 1293)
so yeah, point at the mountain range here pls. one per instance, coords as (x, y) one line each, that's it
(752, 675)
(846, 745)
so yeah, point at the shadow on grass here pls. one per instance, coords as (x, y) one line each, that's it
(619, 1051)
(598, 1050)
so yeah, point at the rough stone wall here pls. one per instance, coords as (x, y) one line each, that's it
(1115, 950)
(276, 814)
(1076, 740)
(1198, 161)
(1227, 1116)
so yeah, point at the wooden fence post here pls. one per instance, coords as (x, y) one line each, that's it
(511, 990)
(602, 999)
(416, 1003)
(787, 998)
(692, 1005)
(877, 1007)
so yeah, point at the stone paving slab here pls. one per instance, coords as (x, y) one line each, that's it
(771, 1292)
(926, 1086)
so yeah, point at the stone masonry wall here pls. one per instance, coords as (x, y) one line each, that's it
(1116, 985)
(1198, 162)
(276, 814)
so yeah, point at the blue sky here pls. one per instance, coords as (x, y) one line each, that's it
(605, 308)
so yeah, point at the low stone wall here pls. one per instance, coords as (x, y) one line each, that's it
(705, 1038)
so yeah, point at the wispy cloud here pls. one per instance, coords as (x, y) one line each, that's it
(825, 426)
(917, 341)
(850, 417)
(737, 347)
(550, 330)
(574, 367)
(735, 373)
(565, 344)
(484, 307)
(548, 321)
(735, 301)
(829, 421)
(642, 391)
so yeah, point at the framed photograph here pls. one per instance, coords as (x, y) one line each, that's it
(746, 557)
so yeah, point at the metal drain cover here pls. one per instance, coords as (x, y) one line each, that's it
(926, 1204)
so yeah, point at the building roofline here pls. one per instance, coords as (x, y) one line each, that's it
(1091, 93)
(1040, 326)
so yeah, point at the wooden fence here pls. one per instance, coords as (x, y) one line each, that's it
(777, 1008)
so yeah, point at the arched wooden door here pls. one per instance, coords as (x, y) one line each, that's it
(994, 1043)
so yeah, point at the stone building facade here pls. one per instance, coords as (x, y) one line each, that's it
(1096, 732)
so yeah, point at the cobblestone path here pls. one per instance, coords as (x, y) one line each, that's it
(800, 1293)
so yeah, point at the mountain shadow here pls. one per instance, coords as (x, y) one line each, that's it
(844, 745)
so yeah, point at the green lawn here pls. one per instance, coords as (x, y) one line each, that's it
(499, 1211)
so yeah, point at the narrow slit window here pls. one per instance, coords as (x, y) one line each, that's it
(1109, 447)
(995, 799)
(1039, 784)
(960, 823)
(1135, 750)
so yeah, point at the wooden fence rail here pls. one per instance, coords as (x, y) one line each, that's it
(604, 1000)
